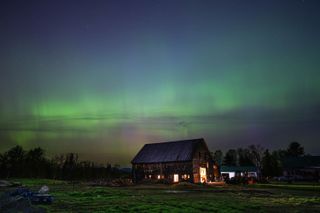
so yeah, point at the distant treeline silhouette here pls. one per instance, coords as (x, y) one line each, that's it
(19, 163)
(268, 163)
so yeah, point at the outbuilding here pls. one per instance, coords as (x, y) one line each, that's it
(306, 168)
(175, 161)
(238, 171)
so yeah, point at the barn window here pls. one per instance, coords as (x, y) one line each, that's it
(185, 177)
(175, 178)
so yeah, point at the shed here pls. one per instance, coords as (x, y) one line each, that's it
(244, 171)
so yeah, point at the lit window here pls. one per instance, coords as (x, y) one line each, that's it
(175, 178)
(159, 177)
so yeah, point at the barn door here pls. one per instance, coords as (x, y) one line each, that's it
(203, 174)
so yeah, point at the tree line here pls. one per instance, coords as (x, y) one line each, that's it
(268, 163)
(19, 163)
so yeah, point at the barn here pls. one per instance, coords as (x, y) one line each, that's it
(175, 161)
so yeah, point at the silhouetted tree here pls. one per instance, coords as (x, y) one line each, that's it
(18, 163)
(277, 166)
(230, 159)
(57, 163)
(295, 149)
(267, 164)
(256, 153)
(109, 170)
(244, 157)
(69, 166)
(218, 156)
(4, 165)
(281, 153)
(16, 157)
(35, 162)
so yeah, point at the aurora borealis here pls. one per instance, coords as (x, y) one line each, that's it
(102, 78)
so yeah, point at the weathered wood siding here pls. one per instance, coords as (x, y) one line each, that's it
(202, 158)
(165, 170)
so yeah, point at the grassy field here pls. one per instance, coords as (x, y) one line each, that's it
(180, 198)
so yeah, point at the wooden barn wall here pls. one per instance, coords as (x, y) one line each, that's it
(166, 170)
(202, 158)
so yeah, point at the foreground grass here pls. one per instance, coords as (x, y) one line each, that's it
(161, 198)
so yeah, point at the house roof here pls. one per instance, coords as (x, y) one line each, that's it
(238, 169)
(301, 162)
(168, 151)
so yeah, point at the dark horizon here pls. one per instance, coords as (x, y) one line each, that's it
(102, 78)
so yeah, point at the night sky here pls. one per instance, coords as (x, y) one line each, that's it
(102, 78)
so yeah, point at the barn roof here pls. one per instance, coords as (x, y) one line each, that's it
(167, 151)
